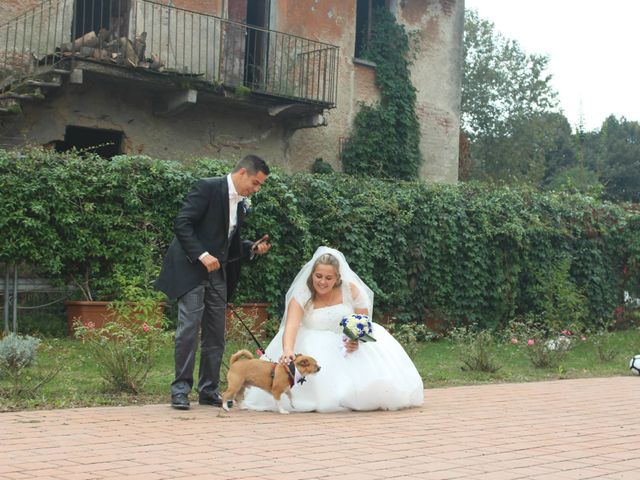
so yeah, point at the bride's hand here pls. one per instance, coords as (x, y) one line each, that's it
(287, 357)
(351, 345)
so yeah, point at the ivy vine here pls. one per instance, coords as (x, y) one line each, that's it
(385, 140)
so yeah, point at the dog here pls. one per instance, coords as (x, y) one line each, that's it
(275, 378)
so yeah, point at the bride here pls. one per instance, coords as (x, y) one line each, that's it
(354, 375)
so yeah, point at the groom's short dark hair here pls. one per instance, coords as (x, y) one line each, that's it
(253, 164)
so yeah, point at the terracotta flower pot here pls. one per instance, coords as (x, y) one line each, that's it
(87, 312)
(256, 313)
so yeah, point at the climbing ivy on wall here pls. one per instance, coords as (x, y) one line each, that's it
(385, 140)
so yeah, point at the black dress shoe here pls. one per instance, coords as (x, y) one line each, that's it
(180, 401)
(211, 399)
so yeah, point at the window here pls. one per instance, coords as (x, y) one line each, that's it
(364, 16)
(106, 143)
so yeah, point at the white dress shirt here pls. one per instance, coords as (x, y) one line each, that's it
(234, 199)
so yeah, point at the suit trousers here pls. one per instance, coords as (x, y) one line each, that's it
(201, 312)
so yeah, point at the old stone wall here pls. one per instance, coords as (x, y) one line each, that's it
(331, 22)
(9, 9)
(436, 25)
(437, 28)
(437, 75)
(206, 129)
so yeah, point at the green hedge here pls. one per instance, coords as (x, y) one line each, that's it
(463, 253)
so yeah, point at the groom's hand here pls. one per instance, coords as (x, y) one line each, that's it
(262, 246)
(210, 262)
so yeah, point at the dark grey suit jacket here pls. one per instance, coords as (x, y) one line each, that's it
(202, 225)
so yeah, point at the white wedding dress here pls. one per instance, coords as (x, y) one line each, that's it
(378, 375)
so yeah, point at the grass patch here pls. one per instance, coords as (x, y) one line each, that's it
(440, 366)
(78, 383)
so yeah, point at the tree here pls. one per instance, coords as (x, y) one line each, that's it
(619, 157)
(501, 82)
(538, 147)
(508, 108)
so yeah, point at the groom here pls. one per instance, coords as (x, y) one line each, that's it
(201, 270)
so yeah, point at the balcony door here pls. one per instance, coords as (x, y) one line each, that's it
(96, 15)
(246, 43)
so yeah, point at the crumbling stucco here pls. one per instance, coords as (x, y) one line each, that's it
(203, 130)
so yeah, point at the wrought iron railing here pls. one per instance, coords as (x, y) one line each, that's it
(147, 35)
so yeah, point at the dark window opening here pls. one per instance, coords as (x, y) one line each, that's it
(96, 15)
(364, 20)
(106, 143)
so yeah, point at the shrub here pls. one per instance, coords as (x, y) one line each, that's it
(126, 348)
(408, 335)
(321, 167)
(605, 347)
(545, 348)
(17, 355)
(477, 254)
(17, 352)
(476, 349)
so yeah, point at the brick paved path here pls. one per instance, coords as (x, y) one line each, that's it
(560, 430)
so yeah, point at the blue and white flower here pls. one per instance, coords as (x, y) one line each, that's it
(357, 327)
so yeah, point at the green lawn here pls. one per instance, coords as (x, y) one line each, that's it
(79, 384)
(440, 365)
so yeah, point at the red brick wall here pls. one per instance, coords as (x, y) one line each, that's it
(212, 7)
(12, 8)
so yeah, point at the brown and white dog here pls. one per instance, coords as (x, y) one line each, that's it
(275, 378)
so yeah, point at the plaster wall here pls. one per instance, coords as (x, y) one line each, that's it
(437, 27)
(205, 129)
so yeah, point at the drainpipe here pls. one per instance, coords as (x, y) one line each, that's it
(15, 299)
(6, 300)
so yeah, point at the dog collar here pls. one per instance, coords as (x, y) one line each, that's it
(296, 376)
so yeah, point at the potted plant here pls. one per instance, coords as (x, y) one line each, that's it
(125, 342)
(131, 294)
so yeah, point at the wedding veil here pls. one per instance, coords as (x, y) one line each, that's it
(300, 291)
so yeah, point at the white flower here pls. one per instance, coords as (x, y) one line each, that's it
(357, 327)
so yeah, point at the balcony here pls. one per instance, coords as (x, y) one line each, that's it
(151, 42)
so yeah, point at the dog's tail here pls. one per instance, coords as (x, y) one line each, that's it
(241, 354)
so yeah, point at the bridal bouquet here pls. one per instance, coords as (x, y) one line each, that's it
(357, 327)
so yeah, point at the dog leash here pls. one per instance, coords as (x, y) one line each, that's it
(251, 253)
(263, 239)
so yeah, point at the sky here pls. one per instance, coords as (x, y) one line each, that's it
(592, 48)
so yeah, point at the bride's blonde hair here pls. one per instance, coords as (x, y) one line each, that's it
(325, 259)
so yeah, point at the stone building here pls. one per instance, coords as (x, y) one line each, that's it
(181, 79)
